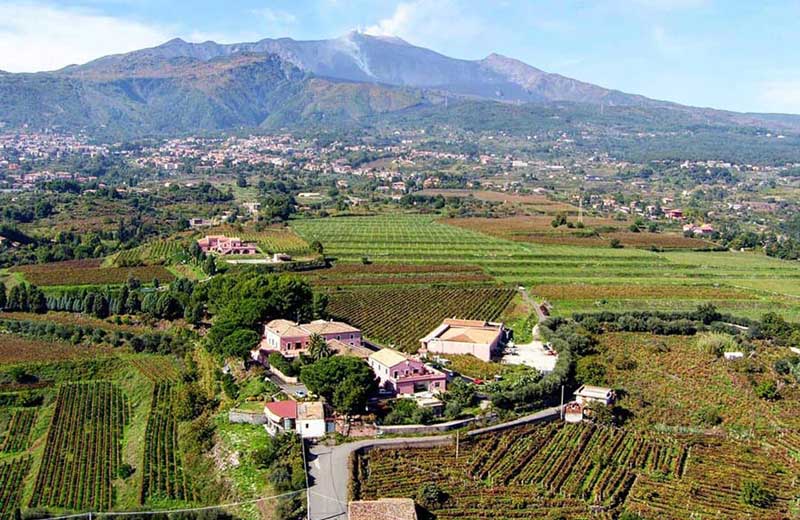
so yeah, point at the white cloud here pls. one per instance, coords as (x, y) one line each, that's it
(781, 96)
(429, 23)
(38, 36)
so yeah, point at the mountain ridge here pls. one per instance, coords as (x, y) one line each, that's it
(180, 86)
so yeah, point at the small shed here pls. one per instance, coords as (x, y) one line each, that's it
(594, 394)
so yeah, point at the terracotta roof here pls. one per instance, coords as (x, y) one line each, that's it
(343, 349)
(289, 328)
(465, 331)
(285, 328)
(465, 323)
(394, 508)
(470, 335)
(328, 327)
(388, 357)
(312, 410)
(283, 409)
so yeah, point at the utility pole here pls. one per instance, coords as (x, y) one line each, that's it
(561, 408)
(457, 443)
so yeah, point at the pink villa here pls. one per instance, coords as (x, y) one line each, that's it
(405, 375)
(223, 245)
(292, 339)
(478, 338)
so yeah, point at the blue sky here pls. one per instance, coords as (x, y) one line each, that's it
(731, 54)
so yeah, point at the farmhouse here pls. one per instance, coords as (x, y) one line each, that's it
(222, 245)
(292, 339)
(307, 419)
(594, 394)
(479, 338)
(405, 375)
(704, 230)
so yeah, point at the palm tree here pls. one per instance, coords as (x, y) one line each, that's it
(318, 348)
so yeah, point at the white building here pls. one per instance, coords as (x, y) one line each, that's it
(478, 338)
(594, 394)
(307, 419)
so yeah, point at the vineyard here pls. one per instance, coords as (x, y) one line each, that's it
(402, 316)
(19, 431)
(162, 473)
(156, 368)
(83, 450)
(12, 475)
(345, 275)
(765, 284)
(152, 253)
(88, 272)
(581, 471)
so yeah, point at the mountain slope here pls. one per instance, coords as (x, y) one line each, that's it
(181, 87)
(390, 61)
(147, 94)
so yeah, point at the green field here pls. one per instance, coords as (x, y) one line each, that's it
(765, 283)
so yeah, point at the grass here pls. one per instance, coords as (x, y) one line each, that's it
(238, 442)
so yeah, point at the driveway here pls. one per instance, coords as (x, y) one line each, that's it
(329, 466)
(288, 388)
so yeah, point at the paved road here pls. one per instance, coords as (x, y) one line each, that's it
(329, 469)
(288, 388)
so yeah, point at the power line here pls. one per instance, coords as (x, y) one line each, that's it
(185, 510)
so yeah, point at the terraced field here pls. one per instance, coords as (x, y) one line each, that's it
(349, 275)
(764, 284)
(152, 253)
(582, 471)
(83, 450)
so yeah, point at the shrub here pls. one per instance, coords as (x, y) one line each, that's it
(431, 496)
(707, 416)
(754, 494)
(715, 343)
(767, 390)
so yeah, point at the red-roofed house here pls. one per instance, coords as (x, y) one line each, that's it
(307, 419)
